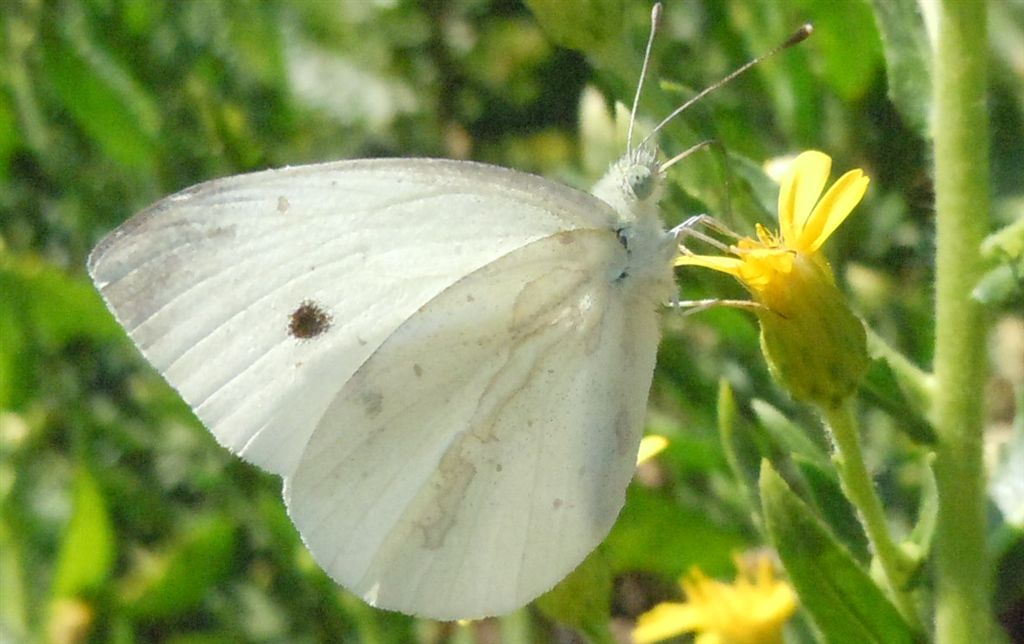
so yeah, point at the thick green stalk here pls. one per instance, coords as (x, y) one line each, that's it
(860, 490)
(962, 208)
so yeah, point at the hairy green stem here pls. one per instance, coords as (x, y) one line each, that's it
(962, 209)
(860, 490)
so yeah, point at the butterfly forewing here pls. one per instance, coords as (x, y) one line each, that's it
(258, 296)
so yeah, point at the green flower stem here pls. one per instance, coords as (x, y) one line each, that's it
(962, 209)
(859, 488)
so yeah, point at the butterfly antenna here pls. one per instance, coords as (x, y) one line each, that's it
(682, 155)
(799, 36)
(727, 206)
(655, 19)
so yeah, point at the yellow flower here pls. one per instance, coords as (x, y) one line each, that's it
(650, 446)
(805, 223)
(814, 344)
(752, 610)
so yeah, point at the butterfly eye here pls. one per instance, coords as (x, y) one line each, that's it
(641, 181)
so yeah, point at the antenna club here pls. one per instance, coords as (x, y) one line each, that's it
(656, 14)
(799, 36)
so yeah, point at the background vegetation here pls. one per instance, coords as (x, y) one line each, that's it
(121, 518)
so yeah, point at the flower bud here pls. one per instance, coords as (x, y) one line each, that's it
(815, 346)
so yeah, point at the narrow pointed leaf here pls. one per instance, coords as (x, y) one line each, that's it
(835, 509)
(87, 551)
(907, 55)
(843, 601)
(882, 388)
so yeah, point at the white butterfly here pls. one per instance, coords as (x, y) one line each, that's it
(447, 362)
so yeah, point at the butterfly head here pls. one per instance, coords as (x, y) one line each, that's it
(633, 183)
(642, 177)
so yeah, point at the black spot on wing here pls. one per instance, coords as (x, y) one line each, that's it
(308, 321)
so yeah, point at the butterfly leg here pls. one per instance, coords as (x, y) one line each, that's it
(689, 229)
(689, 307)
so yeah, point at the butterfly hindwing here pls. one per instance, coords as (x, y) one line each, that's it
(484, 448)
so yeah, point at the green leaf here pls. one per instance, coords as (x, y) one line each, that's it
(51, 306)
(840, 596)
(1006, 477)
(882, 388)
(748, 180)
(18, 39)
(1003, 284)
(256, 42)
(917, 548)
(10, 136)
(1000, 286)
(846, 40)
(87, 549)
(834, 507)
(790, 86)
(740, 449)
(657, 534)
(1006, 244)
(100, 95)
(790, 436)
(175, 582)
(15, 359)
(583, 599)
(907, 56)
(40, 305)
(14, 601)
(584, 25)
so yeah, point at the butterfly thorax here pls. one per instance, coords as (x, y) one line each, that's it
(633, 187)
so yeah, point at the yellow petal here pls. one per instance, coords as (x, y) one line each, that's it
(800, 190)
(664, 621)
(729, 265)
(832, 210)
(650, 446)
(779, 603)
(762, 253)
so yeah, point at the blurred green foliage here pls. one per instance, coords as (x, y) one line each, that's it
(121, 518)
